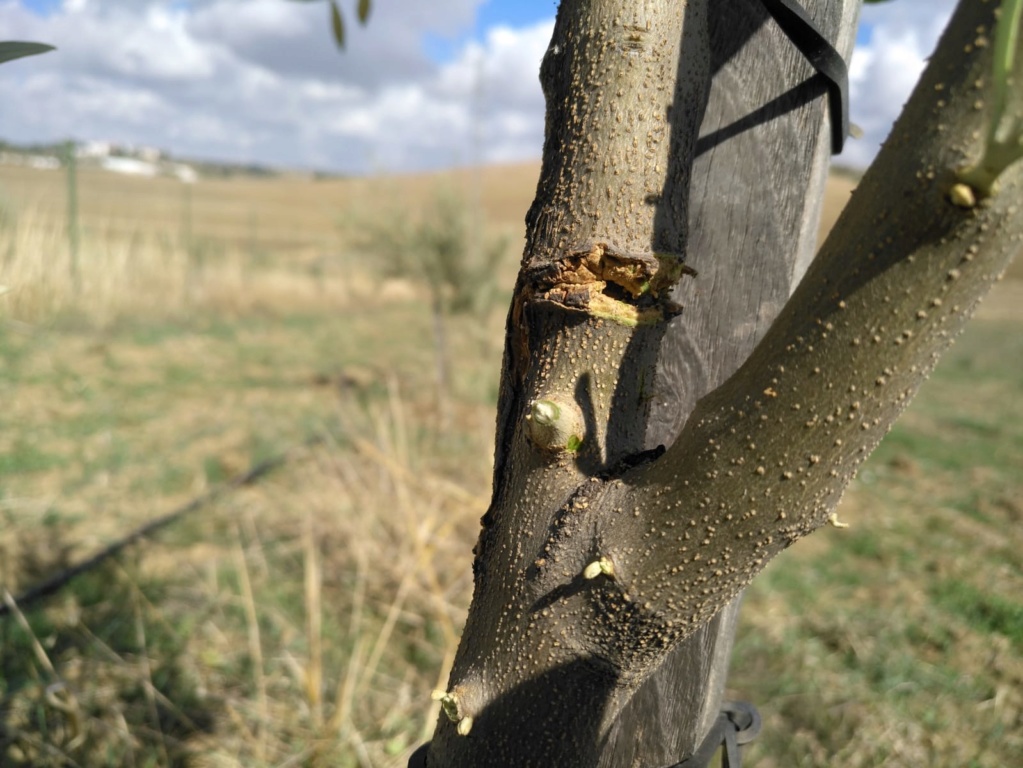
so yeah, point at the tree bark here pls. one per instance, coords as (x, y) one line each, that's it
(601, 558)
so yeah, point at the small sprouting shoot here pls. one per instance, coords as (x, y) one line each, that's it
(834, 522)
(449, 703)
(962, 195)
(555, 423)
(597, 567)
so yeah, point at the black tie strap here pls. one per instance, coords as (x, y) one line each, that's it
(738, 724)
(800, 29)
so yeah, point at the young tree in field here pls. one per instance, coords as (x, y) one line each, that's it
(439, 251)
(662, 434)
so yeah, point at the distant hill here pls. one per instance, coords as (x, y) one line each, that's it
(119, 158)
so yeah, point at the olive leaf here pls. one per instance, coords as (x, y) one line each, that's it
(13, 49)
(363, 11)
(337, 24)
(337, 19)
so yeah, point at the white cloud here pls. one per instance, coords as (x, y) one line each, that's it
(883, 71)
(261, 80)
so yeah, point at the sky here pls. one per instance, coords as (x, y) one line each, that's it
(426, 84)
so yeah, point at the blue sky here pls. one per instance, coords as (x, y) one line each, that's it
(43, 7)
(491, 13)
(261, 80)
(515, 13)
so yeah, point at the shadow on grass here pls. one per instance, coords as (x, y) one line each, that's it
(96, 676)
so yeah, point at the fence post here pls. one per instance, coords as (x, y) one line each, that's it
(72, 214)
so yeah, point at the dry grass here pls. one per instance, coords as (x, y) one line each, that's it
(160, 247)
(305, 620)
(282, 214)
(147, 275)
(300, 622)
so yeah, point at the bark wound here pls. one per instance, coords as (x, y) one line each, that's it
(606, 282)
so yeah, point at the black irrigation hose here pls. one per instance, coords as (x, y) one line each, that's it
(58, 580)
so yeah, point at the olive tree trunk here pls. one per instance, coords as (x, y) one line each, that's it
(608, 568)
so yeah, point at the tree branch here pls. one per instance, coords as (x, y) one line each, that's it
(765, 458)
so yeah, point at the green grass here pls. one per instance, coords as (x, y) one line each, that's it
(25, 457)
(98, 654)
(981, 610)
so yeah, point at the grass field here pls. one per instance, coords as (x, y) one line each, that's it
(304, 619)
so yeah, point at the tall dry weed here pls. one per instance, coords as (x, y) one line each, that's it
(150, 274)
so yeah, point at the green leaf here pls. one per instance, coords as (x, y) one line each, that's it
(337, 24)
(363, 11)
(15, 50)
(1007, 39)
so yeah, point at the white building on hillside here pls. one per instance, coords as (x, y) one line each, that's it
(94, 149)
(130, 166)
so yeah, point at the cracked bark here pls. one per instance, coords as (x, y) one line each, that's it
(608, 573)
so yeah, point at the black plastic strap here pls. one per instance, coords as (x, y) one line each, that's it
(804, 34)
(738, 724)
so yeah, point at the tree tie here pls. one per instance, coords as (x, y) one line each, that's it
(737, 724)
(804, 34)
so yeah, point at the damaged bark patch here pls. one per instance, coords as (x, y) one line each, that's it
(607, 282)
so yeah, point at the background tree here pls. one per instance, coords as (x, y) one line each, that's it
(608, 567)
(440, 251)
